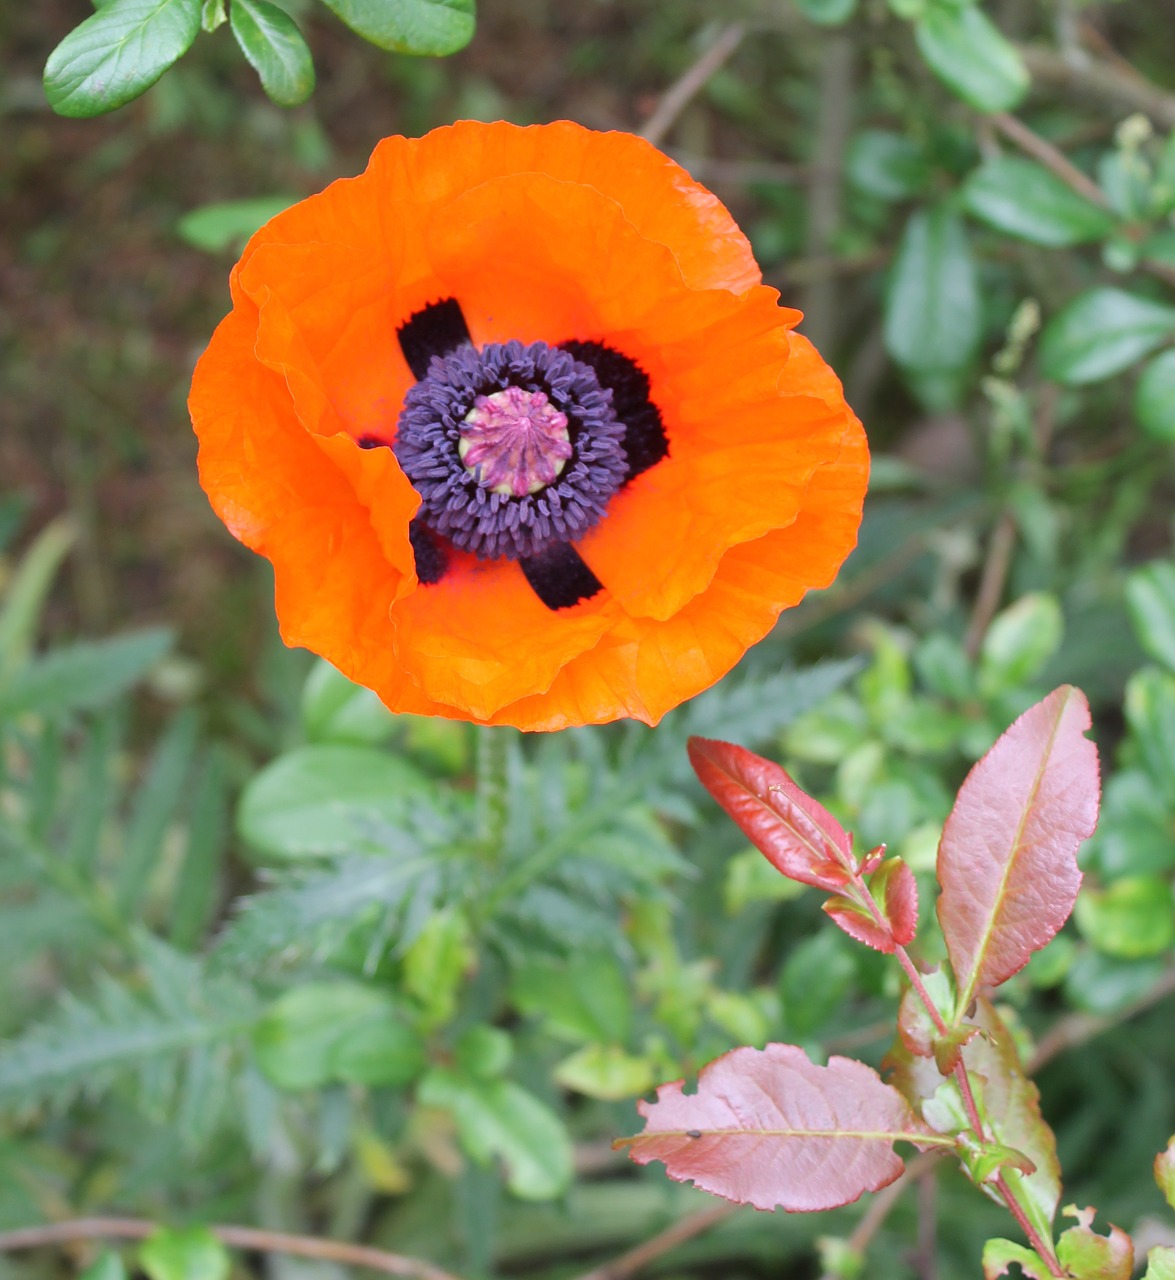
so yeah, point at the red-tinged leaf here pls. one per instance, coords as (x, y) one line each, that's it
(859, 924)
(1095, 1257)
(1007, 862)
(771, 1128)
(798, 836)
(893, 885)
(1165, 1172)
(1011, 1105)
(998, 1256)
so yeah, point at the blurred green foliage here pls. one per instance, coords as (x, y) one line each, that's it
(273, 955)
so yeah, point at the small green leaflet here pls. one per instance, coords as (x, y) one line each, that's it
(118, 53)
(274, 47)
(433, 27)
(970, 55)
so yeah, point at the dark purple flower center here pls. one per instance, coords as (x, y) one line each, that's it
(511, 448)
(516, 451)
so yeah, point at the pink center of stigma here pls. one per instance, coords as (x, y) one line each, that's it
(514, 442)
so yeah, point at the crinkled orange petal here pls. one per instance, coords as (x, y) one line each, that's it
(549, 233)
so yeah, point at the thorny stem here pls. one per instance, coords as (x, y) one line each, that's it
(340, 1251)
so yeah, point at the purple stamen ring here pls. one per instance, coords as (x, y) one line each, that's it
(515, 442)
(512, 448)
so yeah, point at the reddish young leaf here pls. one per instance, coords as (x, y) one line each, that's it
(894, 886)
(1007, 862)
(769, 1127)
(859, 924)
(798, 836)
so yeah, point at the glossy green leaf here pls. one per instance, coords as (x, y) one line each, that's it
(1100, 333)
(968, 53)
(436, 963)
(1020, 640)
(1133, 918)
(1160, 1263)
(1150, 597)
(81, 676)
(189, 1253)
(227, 225)
(212, 14)
(933, 311)
(118, 53)
(586, 996)
(270, 40)
(483, 1052)
(1164, 1167)
(885, 165)
(1102, 984)
(499, 1119)
(827, 13)
(434, 27)
(380, 1052)
(1023, 199)
(1150, 713)
(331, 798)
(1154, 397)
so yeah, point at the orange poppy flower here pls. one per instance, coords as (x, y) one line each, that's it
(524, 436)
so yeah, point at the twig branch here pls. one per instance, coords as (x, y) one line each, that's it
(1093, 76)
(628, 1264)
(688, 85)
(1041, 149)
(352, 1255)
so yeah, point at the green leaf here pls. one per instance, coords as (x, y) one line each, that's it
(1164, 1168)
(1132, 919)
(335, 710)
(1150, 712)
(497, 1118)
(227, 225)
(118, 53)
(1100, 333)
(586, 997)
(191, 1253)
(270, 40)
(1101, 984)
(1019, 643)
(212, 14)
(85, 675)
(1150, 597)
(25, 593)
(1160, 1263)
(326, 799)
(606, 1071)
(933, 311)
(827, 13)
(326, 1032)
(108, 1265)
(1024, 199)
(433, 27)
(885, 165)
(1154, 397)
(967, 52)
(998, 1255)
(436, 963)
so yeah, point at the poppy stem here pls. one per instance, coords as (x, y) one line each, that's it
(493, 750)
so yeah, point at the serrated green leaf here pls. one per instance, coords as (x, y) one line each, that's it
(86, 675)
(970, 55)
(1100, 333)
(1154, 397)
(497, 1118)
(118, 53)
(933, 311)
(432, 27)
(228, 224)
(326, 799)
(270, 40)
(188, 1253)
(1024, 199)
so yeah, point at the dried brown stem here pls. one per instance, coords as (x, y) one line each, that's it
(628, 1264)
(691, 82)
(1054, 160)
(991, 583)
(352, 1255)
